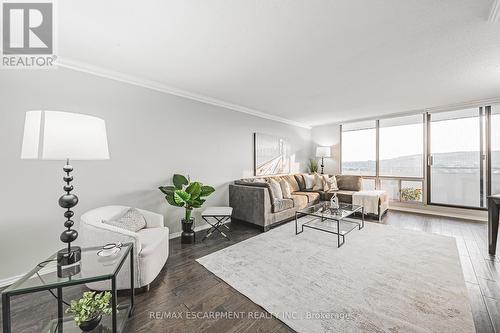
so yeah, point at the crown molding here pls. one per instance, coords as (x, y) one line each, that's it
(495, 12)
(157, 86)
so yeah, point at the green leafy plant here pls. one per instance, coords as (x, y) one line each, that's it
(411, 194)
(313, 165)
(91, 305)
(187, 194)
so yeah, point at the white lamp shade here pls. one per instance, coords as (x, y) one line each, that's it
(55, 135)
(323, 151)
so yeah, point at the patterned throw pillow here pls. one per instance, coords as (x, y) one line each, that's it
(286, 189)
(131, 220)
(309, 181)
(330, 183)
(318, 182)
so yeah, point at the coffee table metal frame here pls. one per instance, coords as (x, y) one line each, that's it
(324, 216)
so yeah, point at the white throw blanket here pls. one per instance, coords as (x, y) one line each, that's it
(368, 199)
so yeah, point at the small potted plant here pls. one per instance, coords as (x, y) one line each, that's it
(189, 195)
(89, 309)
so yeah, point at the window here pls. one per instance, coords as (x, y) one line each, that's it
(403, 190)
(455, 150)
(401, 147)
(368, 184)
(358, 149)
(495, 149)
(392, 188)
(440, 157)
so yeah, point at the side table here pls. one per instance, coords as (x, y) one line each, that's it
(93, 268)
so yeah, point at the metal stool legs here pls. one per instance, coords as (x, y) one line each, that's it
(221, 220)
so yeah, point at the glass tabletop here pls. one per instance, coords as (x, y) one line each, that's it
(324, 210)
(92, 268)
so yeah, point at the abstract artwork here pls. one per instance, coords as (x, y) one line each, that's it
(271, 155)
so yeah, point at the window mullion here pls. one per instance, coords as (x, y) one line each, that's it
(377, 149)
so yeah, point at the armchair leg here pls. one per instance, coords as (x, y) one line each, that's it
(148, 287)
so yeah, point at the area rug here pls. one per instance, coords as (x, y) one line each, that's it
(383, 279)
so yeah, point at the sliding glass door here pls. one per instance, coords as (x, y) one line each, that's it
(455, 164)
(495, 149)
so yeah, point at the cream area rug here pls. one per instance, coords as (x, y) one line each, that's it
(383, 279)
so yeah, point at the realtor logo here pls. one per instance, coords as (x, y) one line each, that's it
(27, 30)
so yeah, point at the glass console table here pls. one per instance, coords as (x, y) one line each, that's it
(93, 268)
(331, 220)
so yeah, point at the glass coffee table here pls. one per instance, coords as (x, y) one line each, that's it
(331, 220)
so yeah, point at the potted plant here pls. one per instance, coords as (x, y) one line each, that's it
(313, 165)
(89, 309)
(189, 195)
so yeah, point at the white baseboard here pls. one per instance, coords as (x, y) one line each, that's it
(10, 280)
(430, 211)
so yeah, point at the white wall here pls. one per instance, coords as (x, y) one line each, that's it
(328, 135)
(151, 136)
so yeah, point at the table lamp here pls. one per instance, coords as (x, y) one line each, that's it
(55, 135)
(323, 152)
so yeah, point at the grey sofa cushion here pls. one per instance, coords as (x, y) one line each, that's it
(282, 204)
(300, 181)
(299, 201)
(326, 195)
(311, 196)
(349, 183)
(345, 196)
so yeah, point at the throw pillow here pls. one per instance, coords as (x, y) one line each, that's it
(318, 182)
(131, 220)
(330, 183)
(275, 188)
(285, 189)
(300, 181)
(294, 185)
(309, 181)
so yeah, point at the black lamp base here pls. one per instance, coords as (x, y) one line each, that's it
(68, 262)
(67, 257)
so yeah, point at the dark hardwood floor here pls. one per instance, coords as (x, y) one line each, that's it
(186, 290)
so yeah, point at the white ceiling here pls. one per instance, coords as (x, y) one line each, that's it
(310, 61)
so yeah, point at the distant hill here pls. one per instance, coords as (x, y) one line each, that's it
(413, 164)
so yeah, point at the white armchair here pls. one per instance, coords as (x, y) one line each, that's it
(150, 244)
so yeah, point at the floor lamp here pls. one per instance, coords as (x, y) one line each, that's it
(55, 135)
(323, 152)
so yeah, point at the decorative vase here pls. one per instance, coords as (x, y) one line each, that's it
(90, 324)
(188, 235)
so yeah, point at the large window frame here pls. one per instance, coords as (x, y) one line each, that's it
(484, 158)
(485, 153)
